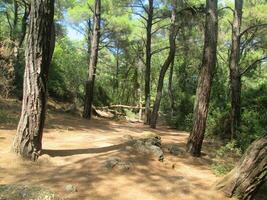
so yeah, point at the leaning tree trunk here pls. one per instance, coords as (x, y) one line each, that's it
(249, 174)
(164, 68)
(196, 137)
(148, 61)
(38, 54)
(89, 85)
(235, 77)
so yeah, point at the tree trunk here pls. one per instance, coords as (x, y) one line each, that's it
(164, 68)
(148, 61)
(196, 137)
(38, 54)
(170, 88)
(235, 77)
(89, 85)
(249, 174)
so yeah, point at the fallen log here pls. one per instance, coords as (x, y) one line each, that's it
(121, 106)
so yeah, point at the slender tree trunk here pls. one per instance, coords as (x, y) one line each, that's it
(89, 86)
(249, 174)
(196, 137)
(38, 54)
(170, 88)
(164, 68)
(148, 60)
(235, 77)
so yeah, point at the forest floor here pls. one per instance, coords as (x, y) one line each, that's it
(75, 151)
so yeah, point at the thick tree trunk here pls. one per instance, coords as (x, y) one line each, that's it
(148, 61)
(89, 85)
(196, 137)
(164, 68)
(235, 77)
(39, 50)
(249, 174)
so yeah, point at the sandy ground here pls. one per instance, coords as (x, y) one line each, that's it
(75, 150)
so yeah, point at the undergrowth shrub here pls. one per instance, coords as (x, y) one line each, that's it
(226, 158)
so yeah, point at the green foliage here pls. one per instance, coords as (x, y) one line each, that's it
(6, 118)
(68, 72)
(226, 157)
(220, 169)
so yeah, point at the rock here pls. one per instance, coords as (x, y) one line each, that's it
(71, 188)
(111, 162)
(26, 192)
(151, 144)
(174, 149)
(123, 166)
(157, 151)
(117, 163)
(139, 146)
(128, 148)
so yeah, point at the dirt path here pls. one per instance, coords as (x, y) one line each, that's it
(74, 153)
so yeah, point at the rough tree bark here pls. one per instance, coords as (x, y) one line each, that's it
(249, 174)
(235, 76)
(149, 22)
(89, 85)
(165, 66)
(38, 54)
(170, 89)
(196, 137)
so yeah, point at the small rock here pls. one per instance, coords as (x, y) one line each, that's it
(117, 163)
(128, 148)
(71, 188)
(174, 149)
(111, 162)
(123, 166)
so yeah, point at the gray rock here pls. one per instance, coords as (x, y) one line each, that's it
(71, 188)
(174, 149)
(26, 192)
(128, 148)
(150, 145)
(111, 162)
(157, 151)
(123, 166)
(117, 163)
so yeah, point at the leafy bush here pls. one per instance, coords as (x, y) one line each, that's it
(226, 157)
(5, 118)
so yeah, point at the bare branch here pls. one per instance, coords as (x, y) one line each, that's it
(138, 14)
(252, 27)
(252, 65)
(161, 27)
(159, 50)
(227, 7)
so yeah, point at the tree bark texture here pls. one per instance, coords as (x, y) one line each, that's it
(89, 85)
(196, 137)
(170, 89)
(249, 174)
(38, 54)
(165, 66)
(148, 61)
(235, 76)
